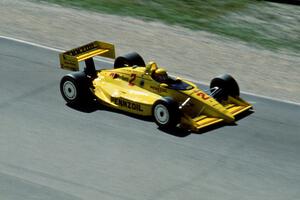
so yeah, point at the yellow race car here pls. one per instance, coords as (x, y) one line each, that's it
(147, 90)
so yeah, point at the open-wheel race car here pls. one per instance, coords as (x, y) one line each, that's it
(147, 90)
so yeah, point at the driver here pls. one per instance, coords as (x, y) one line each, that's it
(151, 67)
(160, 75)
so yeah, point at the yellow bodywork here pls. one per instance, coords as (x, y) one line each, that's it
(133, 90)
(69, 60)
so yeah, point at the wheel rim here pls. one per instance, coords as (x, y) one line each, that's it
(161, 114)
(69, 90)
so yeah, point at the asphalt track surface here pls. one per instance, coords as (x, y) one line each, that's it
(51, 151)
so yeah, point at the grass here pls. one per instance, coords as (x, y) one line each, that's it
(253, 21)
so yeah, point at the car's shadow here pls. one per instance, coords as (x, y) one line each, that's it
(93, 106)
(177, 132)
(85, 107)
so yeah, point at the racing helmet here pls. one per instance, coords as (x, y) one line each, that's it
(151, 67)
(160, 75)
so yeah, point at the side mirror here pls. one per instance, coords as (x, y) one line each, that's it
(163, 85)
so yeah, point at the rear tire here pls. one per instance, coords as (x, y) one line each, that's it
(129, 59)
(166, 113)
(227, 87)
(74, 88)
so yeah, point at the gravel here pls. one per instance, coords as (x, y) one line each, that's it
(196, 55)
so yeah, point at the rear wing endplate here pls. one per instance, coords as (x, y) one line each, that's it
(69, 60)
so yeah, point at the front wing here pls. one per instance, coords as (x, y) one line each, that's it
(235, 106)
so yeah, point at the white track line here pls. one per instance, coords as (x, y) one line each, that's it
(31, 43)
(195, 81)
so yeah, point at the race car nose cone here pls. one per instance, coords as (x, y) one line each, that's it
(228, 117)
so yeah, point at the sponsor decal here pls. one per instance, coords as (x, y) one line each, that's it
(82, 49)
(112, 74)
(115, 75)
(202, 95)
(127, 104)
(158, 89)
(69, 62)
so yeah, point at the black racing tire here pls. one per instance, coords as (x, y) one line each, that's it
(74, 88)
(129, 59)
(227, 87)
(166, 113)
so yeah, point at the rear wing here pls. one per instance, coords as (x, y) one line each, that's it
(69, 60)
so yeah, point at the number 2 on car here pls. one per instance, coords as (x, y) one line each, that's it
(132, 78)
(203, 96)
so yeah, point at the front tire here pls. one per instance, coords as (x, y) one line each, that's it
(166, 113)
(129, 59)
(75, 88)
(227, 86)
